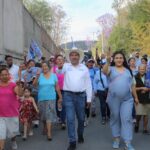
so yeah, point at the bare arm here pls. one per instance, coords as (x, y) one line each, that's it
(34, 105)
(97, 57)
(139, 88)
(135, 94)
(19, 89)
(58, 92)
(106, 68)
(35, 82)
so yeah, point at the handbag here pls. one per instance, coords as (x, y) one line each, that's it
(106, 89)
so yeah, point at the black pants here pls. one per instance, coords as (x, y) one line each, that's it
(87, 110)
(105, 112)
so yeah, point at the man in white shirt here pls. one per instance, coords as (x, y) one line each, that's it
(77, 87)
(13, 69)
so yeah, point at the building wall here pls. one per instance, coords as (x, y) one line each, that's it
(18, 28)
(31, 28)
(1, 28)
(12, 27)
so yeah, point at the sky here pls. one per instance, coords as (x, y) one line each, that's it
(83, 15)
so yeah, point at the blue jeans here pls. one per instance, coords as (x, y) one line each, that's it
(74, 105)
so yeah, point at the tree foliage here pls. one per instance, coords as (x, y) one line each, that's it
(132, 28)
(51, 17)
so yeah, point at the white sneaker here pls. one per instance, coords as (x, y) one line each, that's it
(14, 145)
(86, 122)
(134, 121)
(30, 133)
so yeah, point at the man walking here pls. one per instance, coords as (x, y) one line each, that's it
(77, 87)
(13, 69)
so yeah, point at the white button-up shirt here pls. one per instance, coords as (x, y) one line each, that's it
(14, 73)
(77, 79)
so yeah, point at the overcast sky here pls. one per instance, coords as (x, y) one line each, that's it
(83, 15)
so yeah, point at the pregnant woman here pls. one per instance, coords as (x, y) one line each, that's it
(120, 100)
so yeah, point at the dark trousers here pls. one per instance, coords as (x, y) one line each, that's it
(105, 112)
(133, 112)
(87, 110)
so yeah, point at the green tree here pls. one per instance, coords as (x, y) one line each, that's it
(41, 11)
(132, 29)
(51, 17)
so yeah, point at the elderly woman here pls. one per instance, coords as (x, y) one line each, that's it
(47, 87)
(9, 104)
(132, 65)
(143, 108)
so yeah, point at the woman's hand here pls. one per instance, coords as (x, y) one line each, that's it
(136, 101)
(145, 89)
(38, 73)
(37, 110)
(109, 55)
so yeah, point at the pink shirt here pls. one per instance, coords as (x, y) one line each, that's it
(60, 77)
(8, 101)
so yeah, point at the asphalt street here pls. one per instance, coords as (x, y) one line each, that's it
(97, 137)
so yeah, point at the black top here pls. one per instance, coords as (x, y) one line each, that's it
(143, 97)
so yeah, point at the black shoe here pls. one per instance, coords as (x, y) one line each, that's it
(136, 129)
(49, 138)
(72, 146)
(80, 139)
(36, 126)
(103, 121)
(93, 114)
(146, 132)
(24, 138)
(108, 119)
(63, 126)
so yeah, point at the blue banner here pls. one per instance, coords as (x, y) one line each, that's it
(34, 51)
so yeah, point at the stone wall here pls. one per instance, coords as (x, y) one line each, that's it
(1, 27)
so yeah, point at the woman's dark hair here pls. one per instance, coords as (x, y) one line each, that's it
(125, 64)
(38, 65)
(130, 59)
(46, 62)
(28, 88)
(31, 60)
(59, 55)
(3, 69)
(144, 58)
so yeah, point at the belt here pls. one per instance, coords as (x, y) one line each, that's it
(76, 93)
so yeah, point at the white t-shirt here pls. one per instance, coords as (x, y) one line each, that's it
(77, 79)
(14, 72)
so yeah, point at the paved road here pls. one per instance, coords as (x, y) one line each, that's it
(97, 137)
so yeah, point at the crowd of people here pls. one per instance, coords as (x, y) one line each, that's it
(62, 89)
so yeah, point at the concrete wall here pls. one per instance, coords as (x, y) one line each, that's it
(18, 28)
(1, 27)
(12, 26)
(31, 28)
